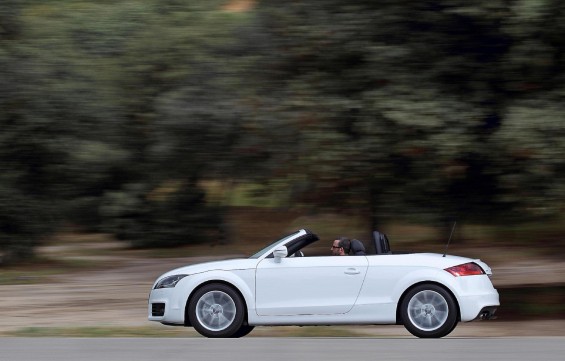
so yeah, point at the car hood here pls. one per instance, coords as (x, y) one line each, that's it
(225, 265)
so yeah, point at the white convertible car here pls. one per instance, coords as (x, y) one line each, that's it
(283, 285)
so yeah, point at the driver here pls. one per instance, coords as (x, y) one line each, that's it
(341, 246)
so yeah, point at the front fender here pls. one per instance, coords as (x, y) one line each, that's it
(242, 280)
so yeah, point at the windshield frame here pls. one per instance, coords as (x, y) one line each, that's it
(272, 245)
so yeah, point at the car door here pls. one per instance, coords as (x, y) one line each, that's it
(309, 285)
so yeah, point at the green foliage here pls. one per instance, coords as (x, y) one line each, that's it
(28, 155)
(23, 220)
(430, 110)
(88, 100)
(533, 131)
(171, 215)
(413, 105)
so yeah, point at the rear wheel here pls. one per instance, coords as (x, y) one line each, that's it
(217, 310)
(429, 311)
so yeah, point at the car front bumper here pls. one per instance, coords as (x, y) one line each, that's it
(165, 307)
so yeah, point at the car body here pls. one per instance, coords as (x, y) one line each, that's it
(428, 293)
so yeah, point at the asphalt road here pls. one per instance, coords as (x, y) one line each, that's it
(283, 349)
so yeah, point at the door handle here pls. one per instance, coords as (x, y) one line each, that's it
(352, 271)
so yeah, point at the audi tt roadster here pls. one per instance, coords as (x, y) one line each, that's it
(286, 284)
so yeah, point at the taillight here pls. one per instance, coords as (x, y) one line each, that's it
(467, 269)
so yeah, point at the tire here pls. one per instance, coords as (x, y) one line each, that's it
(429, 311)
(243, 331)
(217, 310)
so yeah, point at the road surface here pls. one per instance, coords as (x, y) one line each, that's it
(282, 349)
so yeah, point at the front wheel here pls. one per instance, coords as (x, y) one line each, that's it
(429, 311)
(217, 310)
(243, 331)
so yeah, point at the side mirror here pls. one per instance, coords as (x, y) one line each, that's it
(280, 252)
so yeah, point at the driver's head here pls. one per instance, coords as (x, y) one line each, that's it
(340, 246)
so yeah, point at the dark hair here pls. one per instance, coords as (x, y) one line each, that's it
(344, 243)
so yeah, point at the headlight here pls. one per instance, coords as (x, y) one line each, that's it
(169, 282)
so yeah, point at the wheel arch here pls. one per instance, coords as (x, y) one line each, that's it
(208, 282)
(401, 299)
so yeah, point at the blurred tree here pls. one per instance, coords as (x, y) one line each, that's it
(183, 113)
(115, 97)
(113, 113)
(531, 166)
(9, 20)
(398, 104)
(28, 155)
(60, 147)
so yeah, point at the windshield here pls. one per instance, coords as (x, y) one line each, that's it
(282, 240)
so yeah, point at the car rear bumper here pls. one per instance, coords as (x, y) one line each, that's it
(479, 306)
(487, 313)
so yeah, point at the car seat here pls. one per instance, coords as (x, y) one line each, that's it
(357, 248)
(381, 243)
